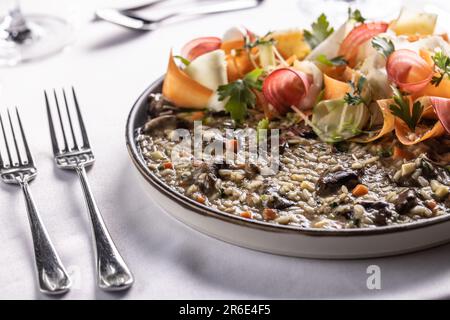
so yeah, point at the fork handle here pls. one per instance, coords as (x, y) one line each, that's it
(53, 278)
(112, 272)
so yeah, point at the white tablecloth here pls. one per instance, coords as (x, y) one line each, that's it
(110, 67)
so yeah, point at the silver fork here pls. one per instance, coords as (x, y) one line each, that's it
(53, 278)
(112, 272)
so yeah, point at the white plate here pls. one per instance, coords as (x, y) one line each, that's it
(280, 239)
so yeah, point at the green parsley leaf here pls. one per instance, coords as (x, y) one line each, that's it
(402, 110)
(252, 79)
(185, 61)
(355, 15)
(240, 94)
(383, 46)
(335, 62)
(320, 31)
(442, 64)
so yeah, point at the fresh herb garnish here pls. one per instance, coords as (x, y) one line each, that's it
(355, 15)
(240, 94)
(402, 110)
(355, 98)
(383, 45)
(185, 61)
(335, 62)
(320, 31)
(442, 63)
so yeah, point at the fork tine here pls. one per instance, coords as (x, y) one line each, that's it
(81, 122)
(66, 148)
(6, 144)
(55, 146)
(24, 139)
(74, 139)
(19, 158)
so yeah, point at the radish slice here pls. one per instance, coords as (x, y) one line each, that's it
(358, 36)
(238, 33)
(285, 87)
(442, 109)
(410, 72)
(200, 46)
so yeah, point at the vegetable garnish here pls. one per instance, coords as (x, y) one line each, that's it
(199, 46)
(442, 109)
(263, 124)
(177, 83)
(401, 109)
(240, 94)
(356, 98)
(406, 137)
(334, 120)
(286, 87)
(442, 65)
(383, 45)
(409, 71)
(320, 31)
(358, 36)
(335, 89)
(355, 15)
(183, 60)
(335, 62)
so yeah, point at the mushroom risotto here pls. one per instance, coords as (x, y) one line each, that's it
(359, 119)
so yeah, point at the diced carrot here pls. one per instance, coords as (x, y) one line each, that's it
(399, 153)
(269, 214)
(246, 214)
(200, 199)
(431, 204)
(168, 165)
(360, 190)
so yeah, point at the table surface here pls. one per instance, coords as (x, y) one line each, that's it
(110, 67)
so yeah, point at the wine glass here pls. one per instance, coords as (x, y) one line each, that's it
(30, 37)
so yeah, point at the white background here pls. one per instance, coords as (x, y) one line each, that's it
(110, 67)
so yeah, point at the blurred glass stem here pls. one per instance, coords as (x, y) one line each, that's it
(13, 26)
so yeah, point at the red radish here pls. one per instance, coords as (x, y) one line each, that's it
(286, 87)
(358, 36)
(200, 46)
(442, 108)
(409, 71)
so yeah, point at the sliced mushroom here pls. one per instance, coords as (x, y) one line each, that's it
(405, 201)
(379, 210)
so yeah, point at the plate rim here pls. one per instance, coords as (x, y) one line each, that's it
(204, 210)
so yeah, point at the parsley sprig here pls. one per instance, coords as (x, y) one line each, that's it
(442, 64)
(402, 110)
(320, 31)
(240, 94)
(355, 98)
(384, 46)
(355, 15)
